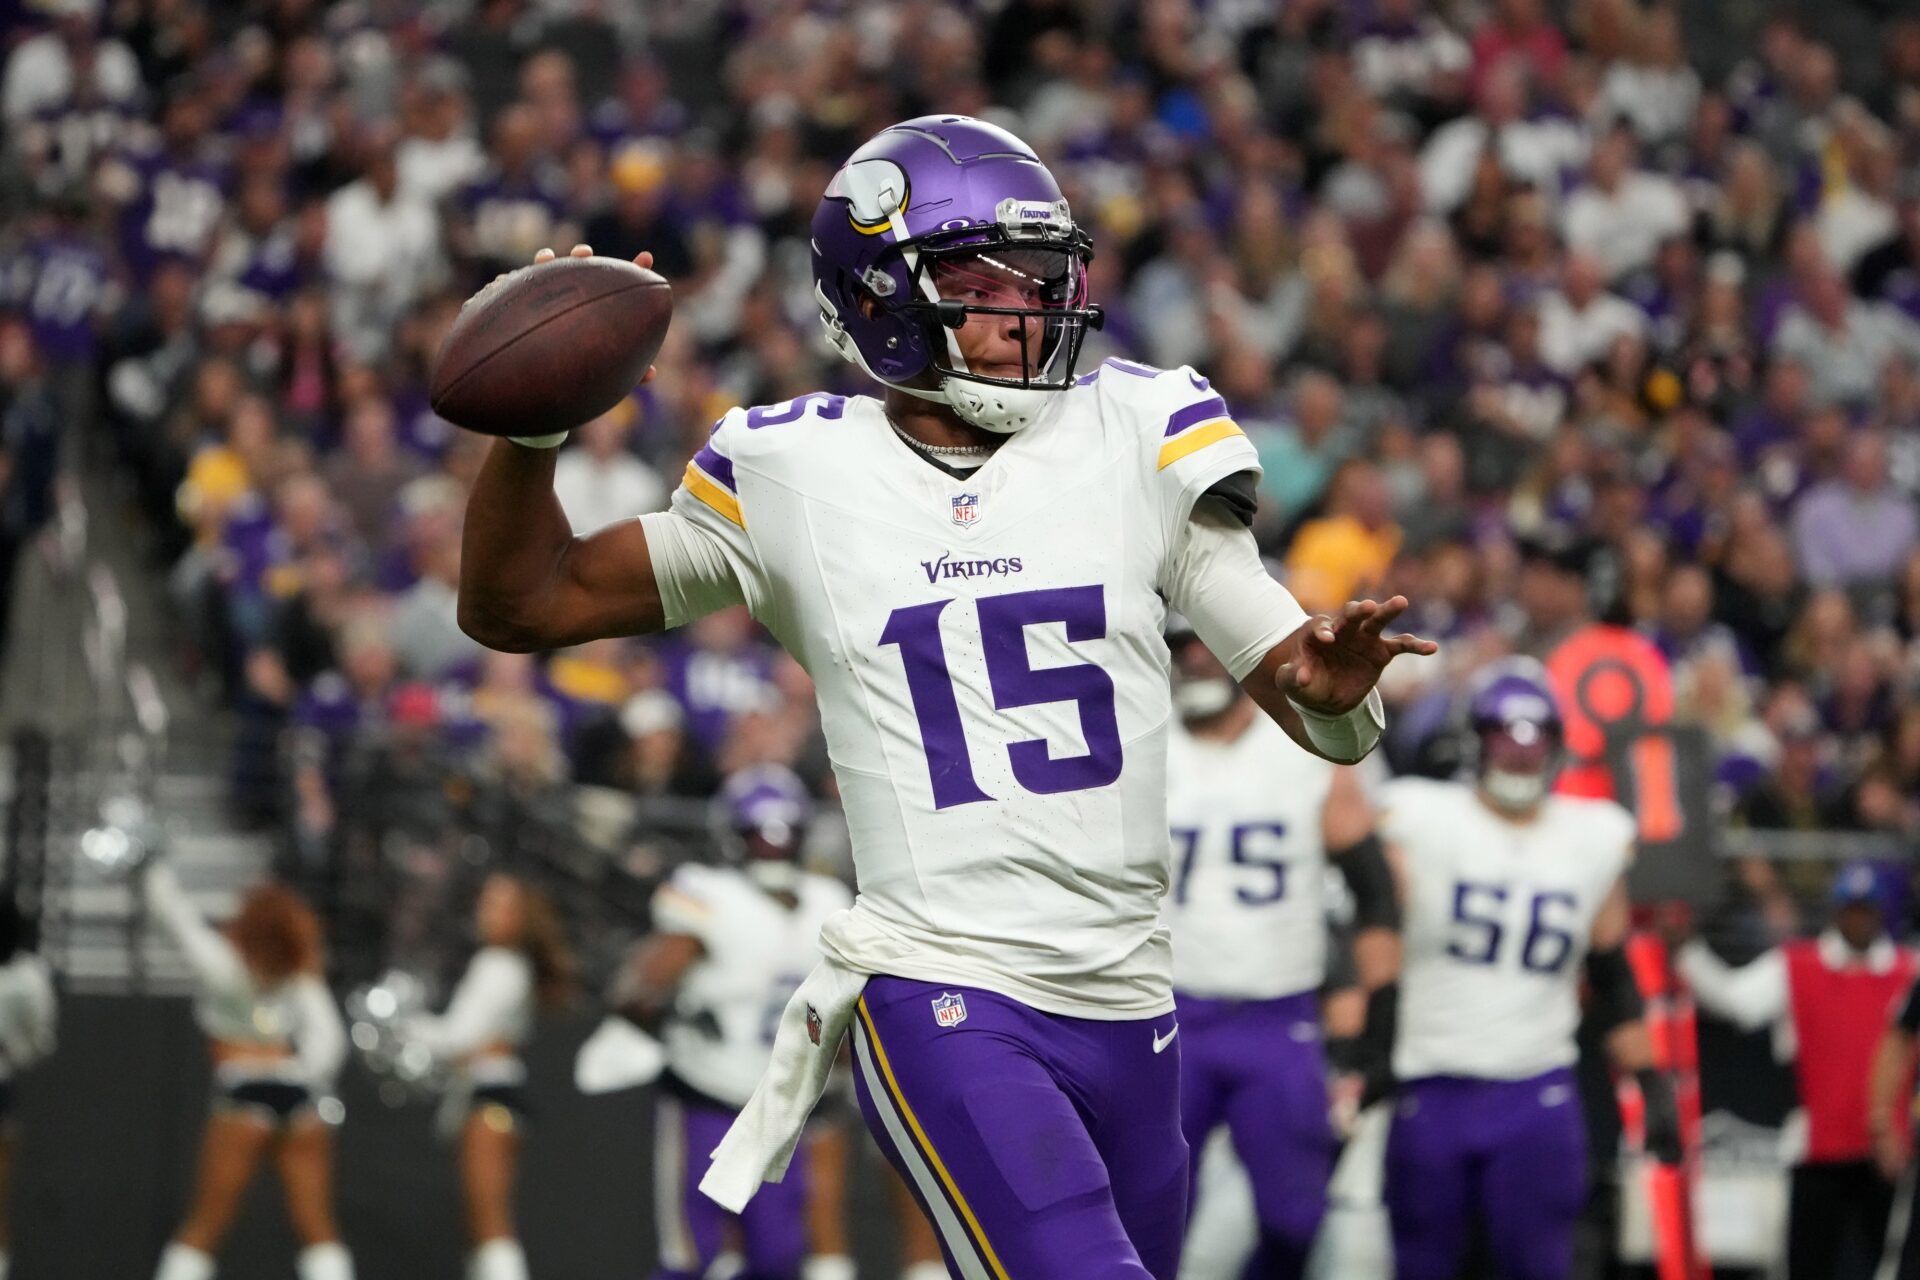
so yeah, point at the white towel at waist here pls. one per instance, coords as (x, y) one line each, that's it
(759, 1144)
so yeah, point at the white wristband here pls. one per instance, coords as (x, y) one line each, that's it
(1348, 737)
(553, 441)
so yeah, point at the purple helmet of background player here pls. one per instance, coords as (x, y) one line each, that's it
(763, 812)
(925, 201)
(1517, 733)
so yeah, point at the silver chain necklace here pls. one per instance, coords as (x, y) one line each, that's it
(943, 450)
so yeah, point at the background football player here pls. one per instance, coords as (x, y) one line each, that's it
(1511, 894)
(972, 569)
(1253, 818)
(729, 946)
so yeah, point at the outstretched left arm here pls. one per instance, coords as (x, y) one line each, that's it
(1318, 683)
(1313, 675)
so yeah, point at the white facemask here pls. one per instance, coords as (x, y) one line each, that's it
(773, 875)
(1203, 699)
(1513, 792)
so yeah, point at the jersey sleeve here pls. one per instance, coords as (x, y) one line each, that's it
(684, 904)
(1215, 577)
(1193, 440)
(709, 500)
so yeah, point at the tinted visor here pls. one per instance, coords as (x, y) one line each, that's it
(1023, 277)
(1041, 286)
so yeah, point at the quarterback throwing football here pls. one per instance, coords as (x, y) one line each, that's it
(975, 568)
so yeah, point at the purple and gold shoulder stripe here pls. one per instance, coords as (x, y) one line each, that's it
(1195, 427)
(710, 478)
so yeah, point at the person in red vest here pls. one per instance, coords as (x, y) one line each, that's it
(1826, 999)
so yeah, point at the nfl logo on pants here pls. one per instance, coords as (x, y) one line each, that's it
(949, 1009)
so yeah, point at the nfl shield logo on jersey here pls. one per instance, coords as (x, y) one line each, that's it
(949, 1009)
(966, 509)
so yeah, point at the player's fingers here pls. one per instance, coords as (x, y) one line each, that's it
(581, 251)
(1322, 627)
(647, 377)
(644, 258)
(1384, 614)
(1407, 643)
(545, 255)
(1355, 612)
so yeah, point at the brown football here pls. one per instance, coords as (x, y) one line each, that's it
(551, 346)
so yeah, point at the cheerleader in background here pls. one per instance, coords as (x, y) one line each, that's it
(277, 1042)
(26, 1036)
(523, 962)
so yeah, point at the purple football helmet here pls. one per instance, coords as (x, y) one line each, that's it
(761, 817)
(937, 219)
(1517, 733)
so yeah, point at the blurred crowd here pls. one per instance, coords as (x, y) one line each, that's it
(1528, 317)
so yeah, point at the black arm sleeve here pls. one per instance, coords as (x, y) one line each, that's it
(1376, 904)
(1616, 997)
(1236, 492)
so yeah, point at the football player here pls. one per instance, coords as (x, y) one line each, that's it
(1253, 819)
(729, 946)
(971, 565)
(1512, 895)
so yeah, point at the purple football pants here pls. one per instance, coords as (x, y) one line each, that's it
(692, 1228)
(1512, 1153)
(1040, 1146)
(1258, 1067)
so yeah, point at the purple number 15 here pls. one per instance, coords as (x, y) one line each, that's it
(1004, 620)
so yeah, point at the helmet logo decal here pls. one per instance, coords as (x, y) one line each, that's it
(875, 191)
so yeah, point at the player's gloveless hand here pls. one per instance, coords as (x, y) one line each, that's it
(641, 259)
(1341, 655)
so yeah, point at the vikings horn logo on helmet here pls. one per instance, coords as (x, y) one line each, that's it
(953, 194)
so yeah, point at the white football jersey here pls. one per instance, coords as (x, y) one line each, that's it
(1248, 902)
(756, 952)
(1498, 917)
(989, 665)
